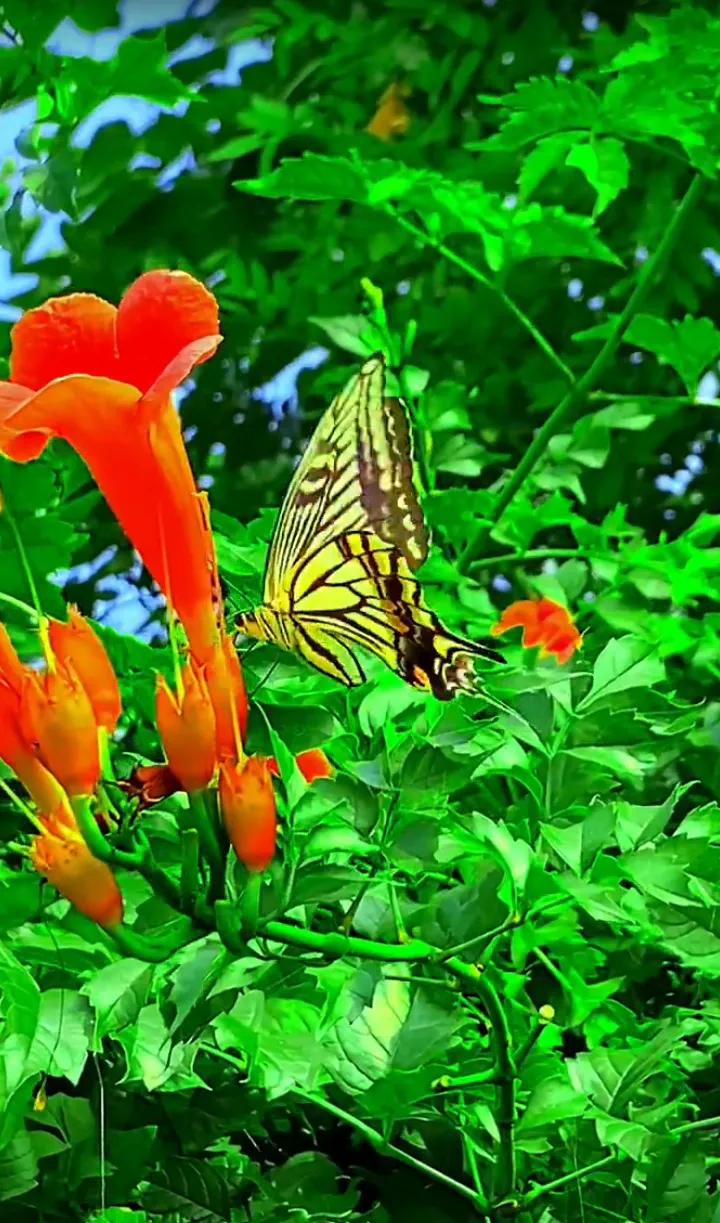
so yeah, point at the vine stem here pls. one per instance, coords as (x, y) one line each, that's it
(388, 1148)
(579, 392)
(470, 270)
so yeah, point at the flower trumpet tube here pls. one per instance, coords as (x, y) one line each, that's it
(76, 645)
(61, 855)
(101, 378)
(546, 624)
(228, 694)
(247, 802)
(186, 722)
(56, 714)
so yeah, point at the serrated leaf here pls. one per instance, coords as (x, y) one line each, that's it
(624, 663)
(188, 1185)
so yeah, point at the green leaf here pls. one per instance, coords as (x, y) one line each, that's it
(183, 1184)
(606, 167)
(690, 347)
(611, 1078)
(117, 993)
(624, 663)
(540, 107)
(61, 1041)
(363, 1042)
(310, 177)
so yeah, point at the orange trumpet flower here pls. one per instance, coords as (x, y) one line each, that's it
(16, 750)
(56, 714)
(77, 645)
(61, 855)
(545, 624)
(247, 802)
(101, 377)
(228, 694)
(187, 729)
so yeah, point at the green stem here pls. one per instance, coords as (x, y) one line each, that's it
(706, 1123)
(95, 841)
(250, 904)
(23, 607)
(448, 1083)
(189, 866)
(388, 1148)
(532, 554)
(480, 941)
(568, 1179)
(470, 270)
(680, 401)
(204, 821)
(505, 1168)
(140, 946)
(336, 945)
(577, 395)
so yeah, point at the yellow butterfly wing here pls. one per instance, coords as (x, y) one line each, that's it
(350, 534)
(359, 590)
(356, 474)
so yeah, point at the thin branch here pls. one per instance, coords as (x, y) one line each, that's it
(470, 270)
(388, 1148)
(578, 394)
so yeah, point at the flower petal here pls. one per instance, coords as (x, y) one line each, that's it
(66, 335)
(161, 318)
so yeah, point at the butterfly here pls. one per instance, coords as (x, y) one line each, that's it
(350, 534)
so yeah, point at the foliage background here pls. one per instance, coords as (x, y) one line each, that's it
(547, 153)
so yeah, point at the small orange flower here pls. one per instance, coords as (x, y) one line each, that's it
(545, 624)
(61, 855)
(392, 117)
(228, 694)
(102, 378)
(56, 714)
(247, 802)
(76, 644)
(187, 728)
(313, 764)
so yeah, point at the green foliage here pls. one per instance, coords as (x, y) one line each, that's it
(541, 245)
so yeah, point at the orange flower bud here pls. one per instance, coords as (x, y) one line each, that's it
(313, 764)
(187, 728)
(76, 644)
(247, 802)
(61, 855)
(228, 694)
(56, 713)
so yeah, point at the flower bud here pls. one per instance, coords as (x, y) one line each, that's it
(247, 802)
(187, 728)
(61, 855)
(57, 715)
(76, 644)
(228, 694)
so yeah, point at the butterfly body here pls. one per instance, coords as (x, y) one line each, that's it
(340, 571)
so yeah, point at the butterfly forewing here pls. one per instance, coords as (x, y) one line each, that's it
(356, 473)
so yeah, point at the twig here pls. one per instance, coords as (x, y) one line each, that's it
(388, 1148)
(470, 270)
(578, 394)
